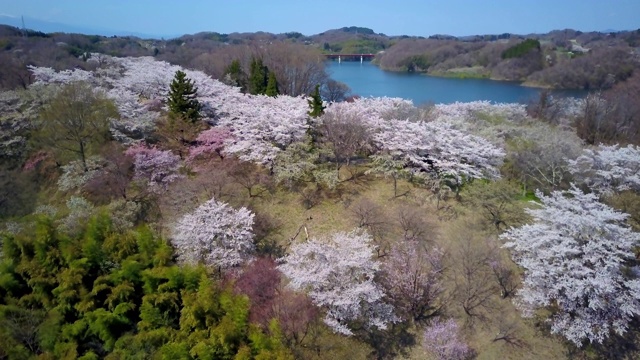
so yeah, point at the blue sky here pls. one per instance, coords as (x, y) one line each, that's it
(410, 17)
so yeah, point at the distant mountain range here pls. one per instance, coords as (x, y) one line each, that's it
(49, 27)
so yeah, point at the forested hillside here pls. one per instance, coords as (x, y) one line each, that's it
(563, 59)
(161, 201)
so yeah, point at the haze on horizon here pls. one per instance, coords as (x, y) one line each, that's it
(410, 17)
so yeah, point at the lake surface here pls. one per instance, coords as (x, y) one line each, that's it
(366, 79)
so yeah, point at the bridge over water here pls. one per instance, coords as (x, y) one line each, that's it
(350, 57)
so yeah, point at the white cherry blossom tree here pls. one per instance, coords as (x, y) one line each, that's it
(338, 274)
(574, 254)
(436, 148)
(606, 169)
(214, 234)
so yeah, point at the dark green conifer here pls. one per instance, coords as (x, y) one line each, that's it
(236, 75)
(316, 107)
(258, 77)
(272, 85)
(182, 99)
(315, 103)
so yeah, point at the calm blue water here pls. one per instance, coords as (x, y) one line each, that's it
(367, 79)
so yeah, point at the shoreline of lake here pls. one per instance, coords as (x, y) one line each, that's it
(367, 79)
(468, 73)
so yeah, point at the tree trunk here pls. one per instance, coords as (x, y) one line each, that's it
(82, 156)
(395, 185)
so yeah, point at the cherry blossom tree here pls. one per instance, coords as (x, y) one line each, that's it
(214, 234)
(154, 167)
(470, 111)
(443, 341)
(209, 142)
(606, 169)
(438, 149)
(346, 134)
(413, 279)
(76, 173)
(574, 254)
(338, 274)
(263, 126)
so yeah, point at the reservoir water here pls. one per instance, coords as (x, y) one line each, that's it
(366, 79)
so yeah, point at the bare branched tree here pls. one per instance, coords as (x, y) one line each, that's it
(475, 286)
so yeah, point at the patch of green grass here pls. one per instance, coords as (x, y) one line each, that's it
(491, 119)
(474, 72)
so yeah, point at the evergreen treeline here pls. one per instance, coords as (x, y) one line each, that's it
(260, 81)
(521, 49)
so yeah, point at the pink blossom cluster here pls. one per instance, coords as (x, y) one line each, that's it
(156, 168)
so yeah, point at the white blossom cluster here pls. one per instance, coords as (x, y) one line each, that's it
(338, 274)
(75, 176)
(468, 111)
(573, 255)
(214, 234)
(434, 147)
(606, 169)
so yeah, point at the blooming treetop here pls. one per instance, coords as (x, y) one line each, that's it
(338, 274)
(468, 111)
(263, 126)
(426, 146)
(154, 167)
(443, 341)
(215, 234)
(573, 255)
(210, 141)
(436, 147)
(373, 111)
(607, 169)
(74, 175)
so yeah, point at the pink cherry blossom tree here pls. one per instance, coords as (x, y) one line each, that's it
(442, 340)
(153, 167)
(413, 279)
(209, 142)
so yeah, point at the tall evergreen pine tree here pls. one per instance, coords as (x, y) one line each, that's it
(316, 110)
(237, 76)
(258, 77)
(272, 85)
(182, 98)
(315, 103)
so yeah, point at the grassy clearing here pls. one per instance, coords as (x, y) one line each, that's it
(451, 224)
(461, 225)
(472, 72)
